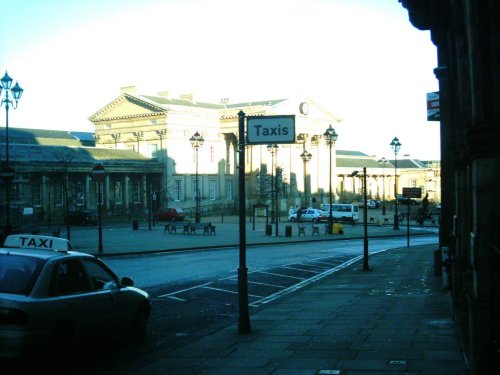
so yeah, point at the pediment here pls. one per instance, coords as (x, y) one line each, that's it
(126, 106)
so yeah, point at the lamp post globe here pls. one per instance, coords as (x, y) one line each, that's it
(330, 138)
(396, 146)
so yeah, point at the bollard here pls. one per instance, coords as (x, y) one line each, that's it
(269, 230)
(135, 224)
(288, 231)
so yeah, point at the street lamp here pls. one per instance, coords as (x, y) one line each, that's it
(197, 141)
(273, 149)
(330, 138)
(162, 134)
(395, 146)
(365, 219)
(7, 173)
(384, 162)
(306, 156)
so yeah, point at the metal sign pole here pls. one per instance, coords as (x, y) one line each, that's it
(244, 326)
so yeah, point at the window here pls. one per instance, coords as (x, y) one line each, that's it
(37, 194)
(229, 189)
(152, 122)
(118, 192)
(212, 189)
(177, 189)
(59, 194)
(212, 154)
(70, 278)
(100, 277)
(97, 185)
(136, 192)
(412, 182)
(80, 194)
(154, 150)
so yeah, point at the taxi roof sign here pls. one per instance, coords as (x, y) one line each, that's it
(31, 241)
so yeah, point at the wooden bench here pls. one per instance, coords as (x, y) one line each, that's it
(171, 227)
(207, 228)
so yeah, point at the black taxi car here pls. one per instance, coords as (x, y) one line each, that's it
(51, 296)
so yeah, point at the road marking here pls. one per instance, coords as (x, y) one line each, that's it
(274, 286)
(320, 262)
(177, 298)
(184, 290)
(299, 269)
(304, 283)
(228, 291)
(280, 275)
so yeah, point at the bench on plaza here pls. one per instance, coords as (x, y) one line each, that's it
(207, 228)
(172, 227)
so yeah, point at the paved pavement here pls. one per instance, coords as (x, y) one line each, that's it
(120, 238)
(393, 319)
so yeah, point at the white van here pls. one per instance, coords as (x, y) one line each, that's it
(342, 212)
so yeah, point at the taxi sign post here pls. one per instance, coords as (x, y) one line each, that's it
(98, 172)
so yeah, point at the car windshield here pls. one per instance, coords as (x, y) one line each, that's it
(18, 273)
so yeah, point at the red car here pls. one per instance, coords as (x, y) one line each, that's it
(171, 214)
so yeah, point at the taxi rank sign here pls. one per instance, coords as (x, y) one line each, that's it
(271, 129)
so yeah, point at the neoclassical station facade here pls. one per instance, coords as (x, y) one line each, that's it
(144, 143)
(159, 126)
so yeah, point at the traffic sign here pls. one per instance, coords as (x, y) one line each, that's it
(271, 129)
(98, 172)
(7, 173)
(412, 192)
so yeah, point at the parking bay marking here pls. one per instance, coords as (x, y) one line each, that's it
(299, 269)
(281, 275)
(229, 291)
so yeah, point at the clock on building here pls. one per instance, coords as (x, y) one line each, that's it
(304, 108)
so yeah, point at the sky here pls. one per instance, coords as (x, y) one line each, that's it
(360, 59)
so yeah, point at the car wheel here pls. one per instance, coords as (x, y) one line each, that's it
(293, 220)
(137, 332)
(314, 220)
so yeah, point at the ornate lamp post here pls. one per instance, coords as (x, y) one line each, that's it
(7, 173)
(330, 137)
(162, 134)
(395, 146)
(197, 141)
(306, 156)
(384, 162)
(365, 219)
(273, 149)
(138, 136)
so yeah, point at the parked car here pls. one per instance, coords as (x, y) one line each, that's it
(171, 214)
(374, 203)
(342, 212)
(52, 298)
(404, 201)
(309, 214)
(81, 217)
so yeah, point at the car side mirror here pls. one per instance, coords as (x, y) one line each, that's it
(127, 281)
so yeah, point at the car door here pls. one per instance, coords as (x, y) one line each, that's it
(72, 299)
(117, 307)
